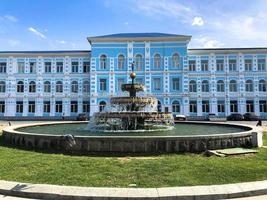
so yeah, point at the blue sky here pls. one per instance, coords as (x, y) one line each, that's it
(65, 24)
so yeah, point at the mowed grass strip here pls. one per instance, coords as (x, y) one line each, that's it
(153, 171)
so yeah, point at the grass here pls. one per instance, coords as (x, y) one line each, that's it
(157, 171)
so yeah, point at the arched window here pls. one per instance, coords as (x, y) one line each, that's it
(86, 86)
(175, 106)
(205, 86)
(175, 60)
(121, 62)
(59, 86)
(2, 86)
(262, 86)
(192, 86)
(103, 62)
(157, 61)
(102, 106)
(220, 86)
(159, 106)
(138, 62)
(74, 86)
(233, 86)
(20, 86)
(47, 86)
(32, 87)
(249, 86)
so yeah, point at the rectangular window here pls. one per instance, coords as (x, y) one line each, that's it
(220, 65)
(74, 107)
(31, 107)
(263, 106)
(86, 67)
(233, 107)
(58, 106)
(193, 106)
(103, 84)
(47, 106)
(192, 65)
(261, 64)
(204, 65)
(205, 106)
(2, 67)
(59, 67)
(86, 106)
(220, 106)
(120, 82)
(250, 106)
(32, 67)
(21, 67)
(2, 107)
(19, 107)
(232, 65)
(175, 84)
(48, 67)
(156, 84)
(74, 67)
(248, 65)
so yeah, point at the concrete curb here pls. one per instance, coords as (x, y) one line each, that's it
(52, 192)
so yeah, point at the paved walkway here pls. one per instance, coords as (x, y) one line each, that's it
(2, 197)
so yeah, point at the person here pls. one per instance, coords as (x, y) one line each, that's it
(63, 116)
(9, 123)
(259, 123)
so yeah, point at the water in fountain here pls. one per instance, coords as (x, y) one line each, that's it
(131, 113)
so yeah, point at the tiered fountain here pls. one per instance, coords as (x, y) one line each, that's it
(130, 114)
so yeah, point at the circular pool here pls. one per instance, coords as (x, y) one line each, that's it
(185, 137)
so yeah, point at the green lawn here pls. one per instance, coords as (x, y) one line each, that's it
(158, 171)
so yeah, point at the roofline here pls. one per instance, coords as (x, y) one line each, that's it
(228, 50)
(56, 52)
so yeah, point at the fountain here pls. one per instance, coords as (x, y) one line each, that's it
(131, 114)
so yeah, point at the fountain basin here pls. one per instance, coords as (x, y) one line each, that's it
(247, 136)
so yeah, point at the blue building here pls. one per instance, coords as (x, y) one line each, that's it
(193, 82)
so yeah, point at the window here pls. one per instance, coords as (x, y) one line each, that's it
(74, 67)
(233, 86)
(138, 62)
(205, 106)
(249, 86)
(20, 86)
(74, 106)
(58, 106)
(103, 84)
(19, 107)
(192, 65)
(21, 67)
(103, 62)
(233, 107)
(220, 106)
(119, 83)
(86, 106)
(86, 87)
(31, 107)
(192, 86)
(176, 60)
(2, 107)
(157, 61)
(249, 106)
(204, 65)
(205, 86)
(32, 67)
(248, 65)
(102, 106)
(2, 87)
(156, 84)
(262, 86)
(220, 86)
(263, 106)
(176, 84)
(159, 106)
(193, 106)
(86, 67)
(175, 106)
(121, 62)
(32, 87)
(48, 67)
(220, 65)
(261, 64)
(47, 87)
(2, 67)
(139, 80)
(232, 65)
(59, 86)
(47, 106)
(59, 67)
(74, 87)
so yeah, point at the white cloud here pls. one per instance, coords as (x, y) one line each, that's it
(126, 23)
(198, 21)
(61, 41)
(34, 31)
(10, 18)
(206, 42)
(13, 43)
